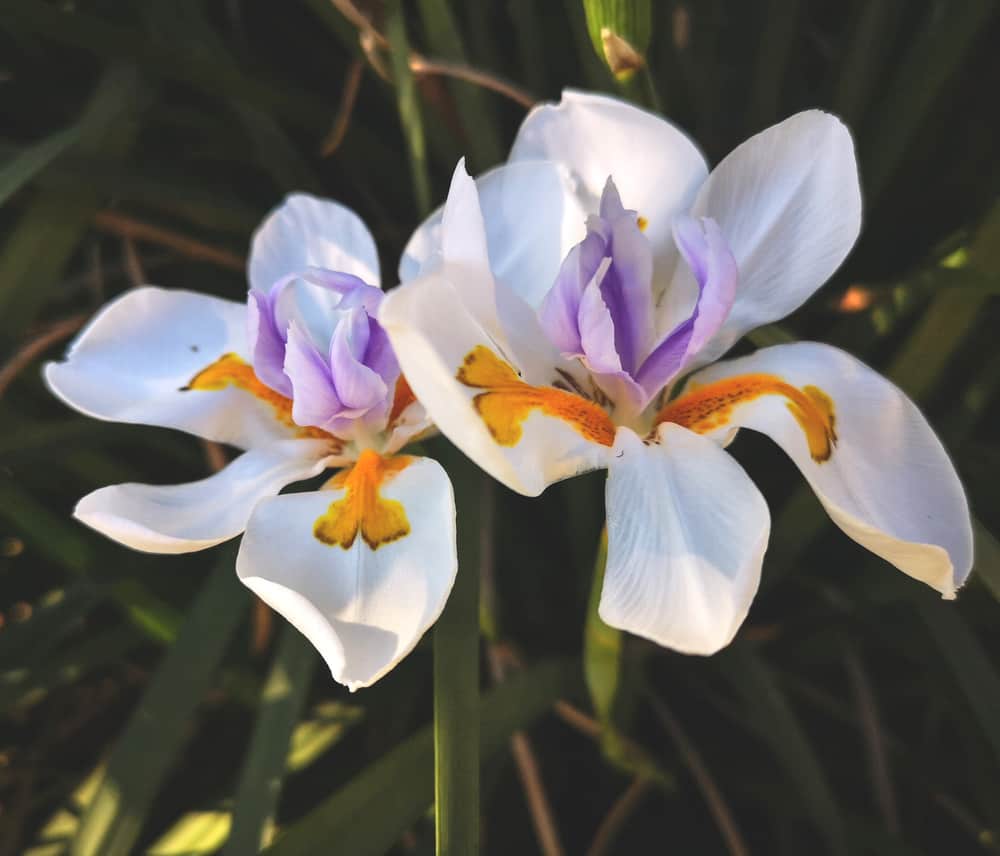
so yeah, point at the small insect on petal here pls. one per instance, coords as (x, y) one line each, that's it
(509, 400)
(363, 508)
(707, 408)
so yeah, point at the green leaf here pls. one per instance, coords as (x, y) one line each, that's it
(159, 728)
(765, 705)
(969, 663)
(197, 833)
(456, 682)
(987, 553)
(368, 815)
(602, 647)
(408, 102)
(39, 247)
(620, 31)
(478, 120)
(23, 167)
(56, 615)
(948, 34)
(264, 766)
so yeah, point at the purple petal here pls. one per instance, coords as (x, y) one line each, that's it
(314, 397)
(627, 288)
(358, 387)
(597, 327)
(611, 207)
(266, 343)
(379, 356)
(560, 310)
(707, 254)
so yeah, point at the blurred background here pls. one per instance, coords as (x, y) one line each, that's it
(149, 706)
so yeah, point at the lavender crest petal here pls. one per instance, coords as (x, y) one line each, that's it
(379, 356)
(707, 254)
(266, 343)
(314, 397)
(627, 290)
(597, 327)
(560, 310)
(358, 387)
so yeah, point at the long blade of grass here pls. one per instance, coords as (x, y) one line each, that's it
(408, 102)
(478, 121)
(456, 683)
(39, 247)
(23, 167)
(969, 663)
(265, 764)
(765, 703)
(159, 727)
(366, 816)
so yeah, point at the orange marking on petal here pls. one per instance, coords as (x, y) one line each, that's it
(363, 508)
(233, 370)
(642, 223)
(509, 400)
(705, 408)
(402, 398)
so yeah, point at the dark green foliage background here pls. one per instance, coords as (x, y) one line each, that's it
(855, 713)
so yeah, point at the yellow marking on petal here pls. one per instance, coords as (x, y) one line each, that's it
(233, 370)
(705, 408)
(642, 223)
(363, 508)
(508, 401)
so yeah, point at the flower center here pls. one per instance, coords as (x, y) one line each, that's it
(707, 408)
(508, 401)
(363, 508)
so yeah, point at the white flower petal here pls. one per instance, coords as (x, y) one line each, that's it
(364, 609)
(687, 531)
(788, 202)
(308, 232)
(133, 360)
(656, 167)
(532, 219)
(888, 482)
(433, 334)
(183, 518)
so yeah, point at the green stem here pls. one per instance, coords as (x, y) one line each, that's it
(456, 687)
(408, 101)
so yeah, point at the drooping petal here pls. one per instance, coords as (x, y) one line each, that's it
(865, 448)
(525, 436)
(306, 232)
(532, 218)
(788, 202)
(712, 265)
(687, 531)
(136, 359)
(656, 167)
(183, 518)
(361, 573)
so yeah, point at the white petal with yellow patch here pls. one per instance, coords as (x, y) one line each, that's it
(362, 569)
(887, 482)
(687, 531)
(134, 360)
(456, 315)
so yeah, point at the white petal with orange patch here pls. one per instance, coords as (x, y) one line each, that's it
(889, 483)
(134, 359)
(364, 609)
